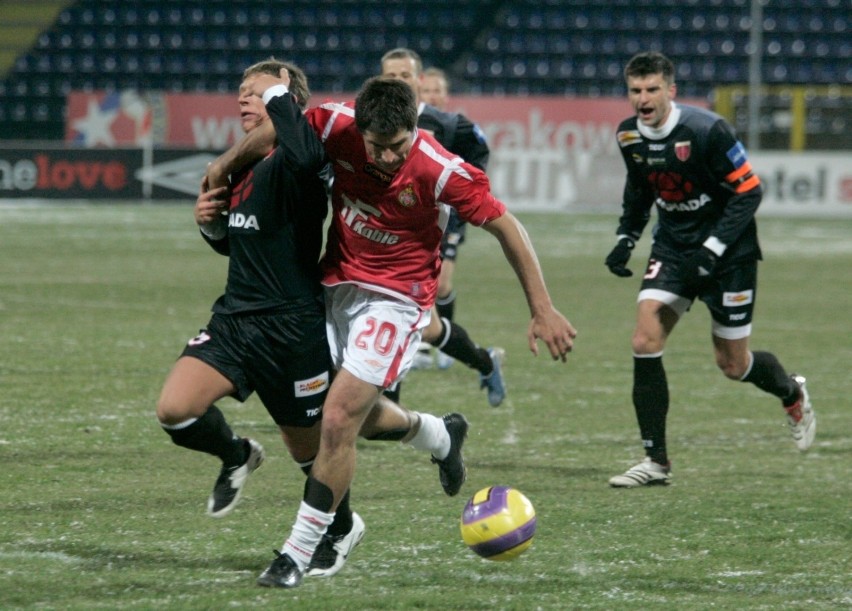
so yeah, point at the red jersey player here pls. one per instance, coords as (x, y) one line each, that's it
(392, 186)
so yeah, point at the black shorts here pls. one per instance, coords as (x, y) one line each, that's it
(453, 237)
(729, 295)
(283, 357)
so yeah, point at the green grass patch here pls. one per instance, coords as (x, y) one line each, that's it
(100, 511)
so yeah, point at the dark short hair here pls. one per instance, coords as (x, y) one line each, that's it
(385, 106)
(298, 81)
(650, 62)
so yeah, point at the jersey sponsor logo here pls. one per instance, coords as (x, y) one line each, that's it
(311, 386)
(407, 197)
(355, 215)
(737, 154)
(671, 186)
(200, 339)
(689, 205)
(243, 221)
(739, 298)
(629, 137)
(656, 147)
(683, 150)
(376, 173)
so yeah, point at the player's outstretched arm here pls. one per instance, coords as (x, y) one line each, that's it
(547, 324)
(253, 146)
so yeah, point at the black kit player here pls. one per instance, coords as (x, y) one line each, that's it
(688, 164)
(464, 138)
(267, 331)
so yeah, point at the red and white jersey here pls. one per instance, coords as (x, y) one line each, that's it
(386, 229)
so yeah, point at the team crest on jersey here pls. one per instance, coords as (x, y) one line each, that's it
(407, 197)
(683, 150)
(629, 137)
(378, 174)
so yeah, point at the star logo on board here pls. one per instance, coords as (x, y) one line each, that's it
(108, 119)
(96, 127)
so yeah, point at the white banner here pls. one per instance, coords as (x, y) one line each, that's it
(805, 184)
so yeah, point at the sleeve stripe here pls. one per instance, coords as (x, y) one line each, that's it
(748, 184)
(739, 172)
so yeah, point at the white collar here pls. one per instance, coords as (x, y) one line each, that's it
(658, 133)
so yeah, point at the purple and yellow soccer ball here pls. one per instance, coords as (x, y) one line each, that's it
(498, 523)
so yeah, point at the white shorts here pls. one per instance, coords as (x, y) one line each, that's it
(371, 335)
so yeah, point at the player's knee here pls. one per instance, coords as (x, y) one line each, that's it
(302, 443)
(167, 412)
(172, 410)
(340, 425)
(642, 343)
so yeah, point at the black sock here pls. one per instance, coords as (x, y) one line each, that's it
(769, 376)
(446, 305)
(651, 401)
(393, 392)
(318, 495)
(211, 434)
(455, 342)
(342, 523)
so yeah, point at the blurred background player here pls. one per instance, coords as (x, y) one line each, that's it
(435, 88)
(688, 164)
(460, 136)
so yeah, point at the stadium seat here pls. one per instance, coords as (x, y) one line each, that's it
(557, 47)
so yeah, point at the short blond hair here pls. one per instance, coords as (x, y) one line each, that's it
(298, 80)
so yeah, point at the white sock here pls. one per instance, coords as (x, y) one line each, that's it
(432, 436)
(306, 535)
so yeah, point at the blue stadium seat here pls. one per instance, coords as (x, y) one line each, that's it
(531, 46)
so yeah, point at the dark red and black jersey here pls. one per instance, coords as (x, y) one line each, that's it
(456, 133)
(275, 227)
(697, 175)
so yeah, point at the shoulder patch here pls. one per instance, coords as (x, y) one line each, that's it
(737, 154)
(629, 137)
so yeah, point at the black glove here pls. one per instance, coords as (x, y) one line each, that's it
(698, 268)
(618, 258)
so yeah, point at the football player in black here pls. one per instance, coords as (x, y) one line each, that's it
(461, 136)
(688, 164)
(267, 333)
